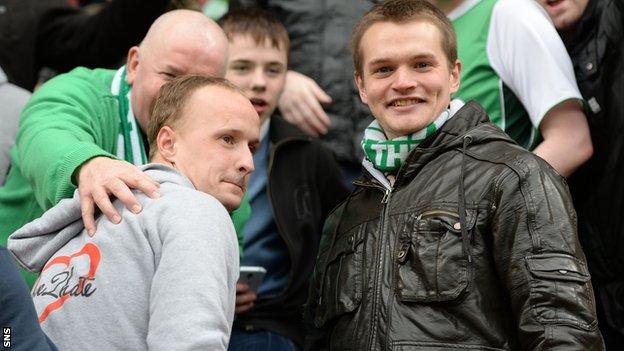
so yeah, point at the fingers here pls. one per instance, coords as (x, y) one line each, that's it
(242, 288)
(320, 94)
(121, 191)
(310, 110)
(143, 182)
(300, 104)
(245, 301)
(102, 177)
(294, 116)
(102, 201)
(86, 209)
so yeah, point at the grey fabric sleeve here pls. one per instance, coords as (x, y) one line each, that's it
(194, 287)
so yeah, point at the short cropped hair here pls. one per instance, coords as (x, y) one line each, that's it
(259, 24)
(403, 11)
(171, 99)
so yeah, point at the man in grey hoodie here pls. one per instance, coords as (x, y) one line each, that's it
(163, 279)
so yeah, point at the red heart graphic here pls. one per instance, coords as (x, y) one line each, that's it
(90, 250)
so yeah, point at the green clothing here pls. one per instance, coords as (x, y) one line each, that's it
(69, 120)
(480, 82)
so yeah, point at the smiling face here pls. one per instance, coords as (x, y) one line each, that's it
(214, 142)
(406, 79)
(564, 13)
(259, 70)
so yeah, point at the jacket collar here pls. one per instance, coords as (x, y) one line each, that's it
(470, 120)
(281, 130)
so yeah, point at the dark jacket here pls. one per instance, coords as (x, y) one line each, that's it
(51, 33)
(319, 32)
(597, 52)
(18, 319)
(304, 185)
(474, 248)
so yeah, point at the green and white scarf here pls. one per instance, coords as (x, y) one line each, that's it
(388, 155)
(130, 145)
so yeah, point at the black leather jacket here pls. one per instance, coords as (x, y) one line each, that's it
(474, 248)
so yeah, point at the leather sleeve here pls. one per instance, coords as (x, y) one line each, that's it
(540, 262)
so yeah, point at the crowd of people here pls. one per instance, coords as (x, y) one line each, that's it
(406, 174)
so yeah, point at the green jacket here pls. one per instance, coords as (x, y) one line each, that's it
(69, 120)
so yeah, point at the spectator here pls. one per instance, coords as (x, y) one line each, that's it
(593, 32)
(38, 33)
(77, 128)
(456, 237)
(18, 313)
(295, 185)
(163, 279)
(516, 67)
(320, 97)
(12, 100)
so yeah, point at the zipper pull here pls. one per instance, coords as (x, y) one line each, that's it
(403, 252)
(384, 199)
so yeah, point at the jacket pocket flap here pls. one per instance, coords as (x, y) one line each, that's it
(557, 267)
(345, 244)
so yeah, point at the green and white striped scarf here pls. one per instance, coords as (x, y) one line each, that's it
(388, 155)
(130, 145)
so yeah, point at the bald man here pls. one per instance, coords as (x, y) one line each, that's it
(86, 128)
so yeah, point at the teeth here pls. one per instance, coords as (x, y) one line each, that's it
(404, 102)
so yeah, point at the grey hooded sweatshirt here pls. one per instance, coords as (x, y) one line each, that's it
(163, 279)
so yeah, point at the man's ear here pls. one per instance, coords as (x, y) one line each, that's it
(166, 143)
(360, 85)
(455, 77)
(132, 64)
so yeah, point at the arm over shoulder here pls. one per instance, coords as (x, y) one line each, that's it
(70, 120)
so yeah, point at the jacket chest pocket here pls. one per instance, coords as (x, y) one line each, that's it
(432, 259)
(342, 279)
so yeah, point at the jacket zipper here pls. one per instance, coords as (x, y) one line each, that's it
(380, 254)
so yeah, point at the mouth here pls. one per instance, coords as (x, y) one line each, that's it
(402, 102)
(259, 104)
(553, 3)
(239, 184)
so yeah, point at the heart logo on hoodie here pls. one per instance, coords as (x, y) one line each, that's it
(62, 286)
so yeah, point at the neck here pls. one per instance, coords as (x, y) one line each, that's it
(157, 158)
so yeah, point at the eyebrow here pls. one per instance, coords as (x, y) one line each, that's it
(382, 60)
(270, 63)
(234, 131)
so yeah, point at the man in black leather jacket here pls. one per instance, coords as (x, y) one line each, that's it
(455, 238)
(593, 32)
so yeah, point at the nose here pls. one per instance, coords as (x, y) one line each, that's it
(258, 82)
(245, 161)
(404, 80)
